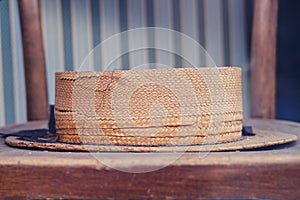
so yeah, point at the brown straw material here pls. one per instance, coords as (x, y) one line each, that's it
(185, 106)
(262, 138)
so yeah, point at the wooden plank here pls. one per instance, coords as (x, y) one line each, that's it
(267, 174)
(263, 59)
(183, 182)
(34, 60)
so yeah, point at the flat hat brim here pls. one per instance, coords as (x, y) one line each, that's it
(262, 138)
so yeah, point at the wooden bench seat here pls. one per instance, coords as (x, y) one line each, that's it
(264, 174)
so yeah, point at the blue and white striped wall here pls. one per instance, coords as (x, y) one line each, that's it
(12, 89)
(72, 28)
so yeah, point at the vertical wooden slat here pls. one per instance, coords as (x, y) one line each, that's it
(34, 60)
(263, 59)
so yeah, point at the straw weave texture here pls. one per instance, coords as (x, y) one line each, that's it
(184, 106)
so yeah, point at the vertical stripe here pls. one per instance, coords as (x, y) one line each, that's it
(2, 106)
(60, 45)
(214, 31)
(189, 27)
(201, 32)
(177, 24)
(45, 28)
(17, 61)
(7, 64)
(95, 7)
(82, 35)
(238, 46)
(163, 18)
(150, 13)
(151, 37)
(47, 42)
(201, 22)
(226, 38)
(74, 34)
(237, 33)
(53, 36)
(89, 41)
(109, 26)
(124, 37)
(137, 19)
(67, 34)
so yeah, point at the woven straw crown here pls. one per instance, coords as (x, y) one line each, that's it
(183, 106)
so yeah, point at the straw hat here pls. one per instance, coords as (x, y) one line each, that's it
(184, 109)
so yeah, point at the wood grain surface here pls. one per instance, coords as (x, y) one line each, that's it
(264, 174)
(263, 59)
(34, 60)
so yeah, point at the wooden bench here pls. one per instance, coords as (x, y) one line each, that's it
(262, 174)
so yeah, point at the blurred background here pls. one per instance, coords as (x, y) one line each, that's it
(72, 28)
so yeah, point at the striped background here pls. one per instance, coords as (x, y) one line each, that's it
(72, 28)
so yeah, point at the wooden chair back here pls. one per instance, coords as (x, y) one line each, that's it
(34, 60)
(263, 59)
